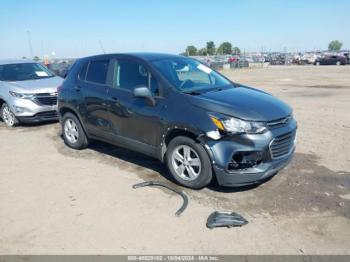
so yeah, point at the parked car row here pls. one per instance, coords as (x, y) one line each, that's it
(218, 62)
(173, 108)
(275, 58)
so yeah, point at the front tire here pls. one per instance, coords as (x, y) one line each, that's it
(7, 116)
(73, 133)
(189, 163)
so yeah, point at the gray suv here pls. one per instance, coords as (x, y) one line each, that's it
(28, 92)
(178, 110)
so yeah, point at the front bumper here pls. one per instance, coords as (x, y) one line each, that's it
(27, 111)
(40, 117)
(258, 146)
(251, 176)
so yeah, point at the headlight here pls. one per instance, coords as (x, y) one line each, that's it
(238, 126)
(21, 95)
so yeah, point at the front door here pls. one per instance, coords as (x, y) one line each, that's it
(135, 119)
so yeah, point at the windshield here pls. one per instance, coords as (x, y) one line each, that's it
(23, 71)
(189, 75)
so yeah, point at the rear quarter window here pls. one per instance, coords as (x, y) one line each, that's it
(83, 70)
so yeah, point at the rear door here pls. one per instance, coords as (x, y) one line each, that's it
(93, 85)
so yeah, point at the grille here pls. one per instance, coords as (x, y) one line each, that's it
(282, 145)
(48, 114)
(279, 122)
(46, 99)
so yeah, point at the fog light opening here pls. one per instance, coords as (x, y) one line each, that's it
(245, 160)
(19, 109)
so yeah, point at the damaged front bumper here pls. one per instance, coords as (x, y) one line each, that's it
(247, 159)
(251, 176)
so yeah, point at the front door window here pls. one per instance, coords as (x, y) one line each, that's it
(129, 74)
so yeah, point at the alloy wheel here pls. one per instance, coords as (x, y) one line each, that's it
(186, 162)
(8, 116)
(71, 131)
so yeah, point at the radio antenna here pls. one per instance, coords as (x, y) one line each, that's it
(103, 50)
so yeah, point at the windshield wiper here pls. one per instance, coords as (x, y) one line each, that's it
(216, 89)
(193, 93)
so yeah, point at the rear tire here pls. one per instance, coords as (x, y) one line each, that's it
(73, 133)
(189, 163)
(7, 116)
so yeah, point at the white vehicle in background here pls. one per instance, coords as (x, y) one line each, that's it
(309, 58)
(28, 92)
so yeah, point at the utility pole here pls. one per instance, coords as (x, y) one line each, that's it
(30, 45)
(285, 55)
(42, 49)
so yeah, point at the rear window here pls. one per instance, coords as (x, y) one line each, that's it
(97, 71)
(23, 71)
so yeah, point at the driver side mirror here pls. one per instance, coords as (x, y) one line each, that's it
(144, 92)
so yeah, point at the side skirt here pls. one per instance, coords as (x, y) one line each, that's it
(130, 144)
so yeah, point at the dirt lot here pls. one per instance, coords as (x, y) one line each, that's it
(59, 201)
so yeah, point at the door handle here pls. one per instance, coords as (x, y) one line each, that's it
(77, 88)
(114, 98)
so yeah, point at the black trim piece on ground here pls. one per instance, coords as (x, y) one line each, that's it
(222, 219)
(181, 193)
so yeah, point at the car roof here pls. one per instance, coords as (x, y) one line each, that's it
(148, 56)
(15, 61)
(153, 56)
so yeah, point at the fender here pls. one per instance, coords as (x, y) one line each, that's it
(195, 133)
(2, 99)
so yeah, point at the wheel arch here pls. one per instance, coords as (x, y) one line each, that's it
(172, 133)
(176, 131)
(202, 148)
(65, 109)
(2, 101)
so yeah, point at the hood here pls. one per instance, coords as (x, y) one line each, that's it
(45, 85)
(243, 102)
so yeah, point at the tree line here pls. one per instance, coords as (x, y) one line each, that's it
(335, 45)
(224, 48)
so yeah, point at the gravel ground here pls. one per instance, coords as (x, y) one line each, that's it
(54, 200)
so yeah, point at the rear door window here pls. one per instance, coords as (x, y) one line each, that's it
(97, 71)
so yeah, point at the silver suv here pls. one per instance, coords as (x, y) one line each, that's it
(28, 92)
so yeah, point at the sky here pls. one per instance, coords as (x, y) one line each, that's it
(76, 28)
